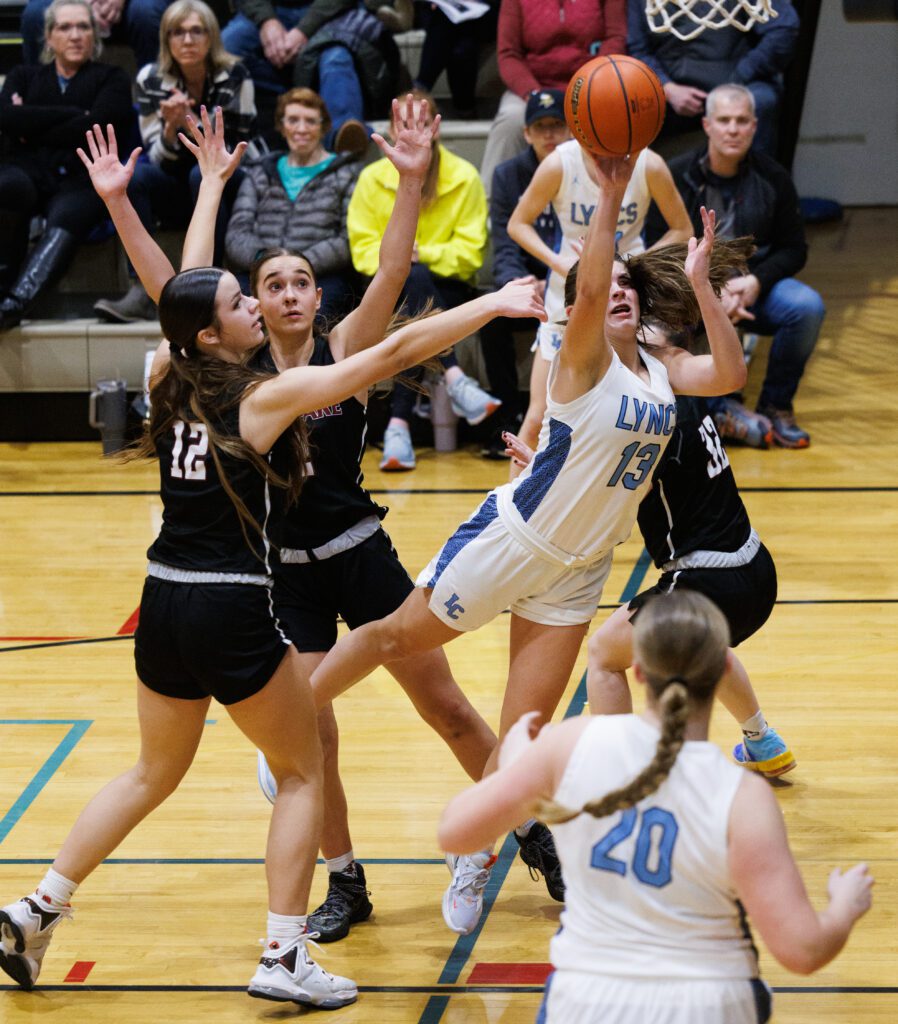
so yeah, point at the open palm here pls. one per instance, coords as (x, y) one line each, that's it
(412, 148)
(108, 175)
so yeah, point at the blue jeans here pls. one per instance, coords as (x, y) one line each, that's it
(139, 26)
(338, 81)
(169, 196)
(793, 313)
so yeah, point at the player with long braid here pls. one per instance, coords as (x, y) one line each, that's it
(665, 846)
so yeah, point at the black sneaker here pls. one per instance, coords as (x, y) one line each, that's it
(347, 903)
(538, 853)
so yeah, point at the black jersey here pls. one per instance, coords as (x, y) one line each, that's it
(332, 498)
(201, 530)
(694, 504)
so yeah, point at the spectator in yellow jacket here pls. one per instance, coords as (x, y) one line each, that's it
(449, 248)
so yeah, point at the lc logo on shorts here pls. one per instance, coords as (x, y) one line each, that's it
(453, 608)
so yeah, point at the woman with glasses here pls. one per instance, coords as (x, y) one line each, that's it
(566, 181)
(297, 199)
(192, 70)
(44, 111)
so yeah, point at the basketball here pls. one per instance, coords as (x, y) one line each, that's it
(614, 105)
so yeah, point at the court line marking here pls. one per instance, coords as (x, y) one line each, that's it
(822, 601)
(29, 794)
(464, 945)
(746, 489)
(221, 860)
(440, 993)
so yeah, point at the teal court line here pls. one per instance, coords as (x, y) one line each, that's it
(79, 727)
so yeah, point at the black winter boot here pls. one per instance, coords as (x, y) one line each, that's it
(45, 262)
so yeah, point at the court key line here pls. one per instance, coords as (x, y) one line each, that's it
(78, 728)
(464, 945)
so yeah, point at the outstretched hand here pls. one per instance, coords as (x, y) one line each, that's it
(613, 172)
(521, 298)
(208, 146)
(413, 146)
(108, 175)
(698, 258)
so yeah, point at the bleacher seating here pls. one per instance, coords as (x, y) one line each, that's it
(64, 349)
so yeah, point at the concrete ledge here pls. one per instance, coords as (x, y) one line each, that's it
(71, 355)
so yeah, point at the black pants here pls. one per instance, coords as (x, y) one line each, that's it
(443, 293)
(73, 206)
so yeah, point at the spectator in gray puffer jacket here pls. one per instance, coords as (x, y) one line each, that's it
(297, 200)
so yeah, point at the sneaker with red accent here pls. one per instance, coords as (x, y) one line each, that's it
(468, 399)
(463, 899)
(768, 754)
(26, 928)
(287, 974)
(737, 425)
(786, 432)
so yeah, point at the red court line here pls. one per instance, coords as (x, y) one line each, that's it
(509, 974)
(80, 970)
(130, 623)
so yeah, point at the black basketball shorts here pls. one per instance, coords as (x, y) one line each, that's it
(360, 585)
(207, 639)
(746, 595)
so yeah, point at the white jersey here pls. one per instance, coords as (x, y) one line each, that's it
(574, 204)
(579, 496)
(649, 893)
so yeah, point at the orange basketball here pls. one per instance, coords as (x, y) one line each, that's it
(614, 105)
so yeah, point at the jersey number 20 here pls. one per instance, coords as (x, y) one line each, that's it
(189, 463)
(654, 845)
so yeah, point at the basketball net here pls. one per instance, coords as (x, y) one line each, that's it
(679, 17)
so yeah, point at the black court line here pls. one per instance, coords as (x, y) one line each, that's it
(68, 643)
(447, 990)
(822, 601)
(747, 489)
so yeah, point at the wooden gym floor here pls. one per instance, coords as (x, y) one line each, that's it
(167, 930)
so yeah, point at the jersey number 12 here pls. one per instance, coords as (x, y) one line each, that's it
(188, 456)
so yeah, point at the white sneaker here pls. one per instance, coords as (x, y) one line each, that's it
(291, 976)
(463, 899)
(398, 453)
(267, 782)
(470, 400)
(26, 928)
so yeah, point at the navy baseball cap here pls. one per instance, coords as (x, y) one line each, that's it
(544, 103)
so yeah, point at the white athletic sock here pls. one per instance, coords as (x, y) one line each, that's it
(524, 830)
(58, 888)
(755, 727)
(339, 863)
(284, 929)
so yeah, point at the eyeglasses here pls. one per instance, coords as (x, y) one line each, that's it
(68, 28)
(190, 32)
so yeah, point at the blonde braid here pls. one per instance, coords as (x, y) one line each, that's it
(674, 708)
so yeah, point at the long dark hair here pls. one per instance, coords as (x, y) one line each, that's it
(206, 388)
(680, 640)
(659, 279)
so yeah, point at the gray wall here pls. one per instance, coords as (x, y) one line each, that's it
(848, 144)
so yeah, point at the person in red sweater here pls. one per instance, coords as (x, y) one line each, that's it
(540, 44)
